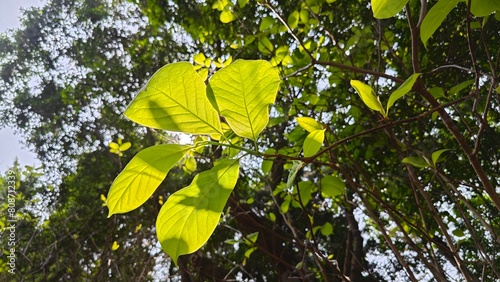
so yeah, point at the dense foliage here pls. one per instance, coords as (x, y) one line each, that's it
(379, 160)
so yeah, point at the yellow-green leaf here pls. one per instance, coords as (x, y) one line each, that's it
(142, 175)
(435, 17)
(313, 142)
(227, 16)
(115, 246)
(482, 8)
(309, 124)
(368, 96)
(402, 90)
(175, 99)
(383, 9)
(190, 215)
(243, 92)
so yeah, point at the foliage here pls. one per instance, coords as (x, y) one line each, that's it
(371, 157)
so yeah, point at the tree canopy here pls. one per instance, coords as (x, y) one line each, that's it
(321, 140)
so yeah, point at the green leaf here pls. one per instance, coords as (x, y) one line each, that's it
(190, 215)
(416, 162)
(242, 3)
(267, 164)
(243, 91)
(402, 90)
(461, 86)
(332, 186)
(368, 96)
(142, 175)
(482, 8)
(435, 17)
(327, 229)
(435, 156)
(175, 99)
(293, 19)
(297, 165)
(265, 46)
(309, 124)
(227, 16)
(313, 142)
(383, 9)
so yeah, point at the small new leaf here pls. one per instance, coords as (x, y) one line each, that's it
(416, 162)
(435, 156)
(368, 96)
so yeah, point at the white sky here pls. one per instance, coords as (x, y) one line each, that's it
(10, 144)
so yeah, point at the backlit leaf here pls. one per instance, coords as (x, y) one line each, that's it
(482, 8)
(368, 96)
(142, 175)
(243, 91)
(227, 16)
(416, 162)
(309, 124)
(313, 142)
(402, 90)
(435, 17)
(190, 215)
(175, 99)
(383, 9)
(435, 156)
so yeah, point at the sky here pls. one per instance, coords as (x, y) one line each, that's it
(11, 145)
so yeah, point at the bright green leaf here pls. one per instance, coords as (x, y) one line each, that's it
(266, 23)
(368, 96)
(402, 90)
(199, 58)
(327, 229)
(416, 162)
(293, 19)
(309, 124)
(265, 46)
(437, 92)
(461, 86)
(242, 3)
(175, 99)
(435, 17)
(243, 91)
(383, 9)
(190, 215)
(313, 142)
(435, 156)
(482, 8)
(332, 186)
(227, 16)
(142, 175)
